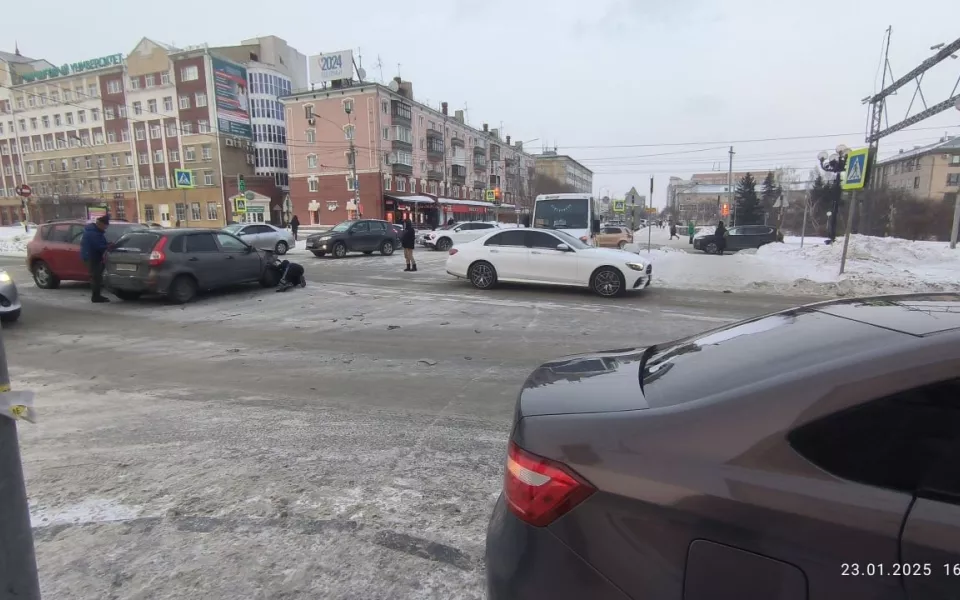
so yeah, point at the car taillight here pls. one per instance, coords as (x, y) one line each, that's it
(453, 251)
(539, 490)
(158, 256)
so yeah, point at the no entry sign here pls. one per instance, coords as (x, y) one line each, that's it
(24, 190)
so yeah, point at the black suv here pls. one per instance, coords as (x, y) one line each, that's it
(363, 235)
(739, 238)
(178, 263)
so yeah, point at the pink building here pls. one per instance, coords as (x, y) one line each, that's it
(412, 161)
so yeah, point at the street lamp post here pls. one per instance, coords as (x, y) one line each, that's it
(834, 163)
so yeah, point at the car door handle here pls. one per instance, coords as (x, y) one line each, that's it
(535, 252)
(494, 252)
(194, 259)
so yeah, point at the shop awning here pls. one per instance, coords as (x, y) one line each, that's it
(412, 199)
(458, 202)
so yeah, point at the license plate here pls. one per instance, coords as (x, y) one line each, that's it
(126, 267)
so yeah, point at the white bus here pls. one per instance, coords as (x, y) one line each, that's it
(577, 214)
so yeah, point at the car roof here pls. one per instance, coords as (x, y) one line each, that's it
(912, 314)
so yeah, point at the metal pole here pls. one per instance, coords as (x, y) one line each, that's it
(956, 223)
(650, 225)
(846, 237)
(803, 228)
(836, 209)
(730, 186)
(18, 561)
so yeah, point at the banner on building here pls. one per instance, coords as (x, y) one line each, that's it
(230, 91)
(331, 66)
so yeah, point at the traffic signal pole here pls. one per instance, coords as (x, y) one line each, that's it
(18, 560)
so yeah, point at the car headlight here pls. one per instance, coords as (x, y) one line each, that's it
(636, 266)
(5, 277)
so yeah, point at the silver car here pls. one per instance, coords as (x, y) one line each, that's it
(263, 236)
(9, 300)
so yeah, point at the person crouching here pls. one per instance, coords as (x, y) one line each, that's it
(291, 276)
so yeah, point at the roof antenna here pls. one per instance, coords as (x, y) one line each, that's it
(16, 48)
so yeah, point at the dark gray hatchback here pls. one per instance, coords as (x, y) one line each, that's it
(178, 263)
(810, 453)
(364, 235)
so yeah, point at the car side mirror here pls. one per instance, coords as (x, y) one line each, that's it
(241, 233)
(350, 232)
(248, 249)
(563, 248)
(456, 230)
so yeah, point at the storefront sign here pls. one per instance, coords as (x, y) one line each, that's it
(74, 68)
(255, 209)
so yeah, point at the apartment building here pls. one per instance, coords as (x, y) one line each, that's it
(412, 160)
(562, 168)
(115, 132)
(931, 171)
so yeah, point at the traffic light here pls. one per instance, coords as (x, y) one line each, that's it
(725, 210)
(241, 184)
(496, 193)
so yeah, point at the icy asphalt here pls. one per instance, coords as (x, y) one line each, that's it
(345, 440)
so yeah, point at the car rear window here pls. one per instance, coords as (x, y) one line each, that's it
(116, 231)
(138, 242)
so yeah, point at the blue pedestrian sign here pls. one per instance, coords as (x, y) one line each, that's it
(183, 178)
(856, 169)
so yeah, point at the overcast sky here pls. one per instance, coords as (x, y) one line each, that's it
(588, 76)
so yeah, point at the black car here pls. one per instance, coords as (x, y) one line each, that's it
(178, 263)
(807, 454)
(739, 238)
(363, 235)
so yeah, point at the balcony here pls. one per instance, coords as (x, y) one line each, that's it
(401, 145)
(401, 112)
(401, 169)
(479, 150)
(433, 132)
(457, 142)
(434, 173)
(434, 149)
(458, 174)
(479, 163)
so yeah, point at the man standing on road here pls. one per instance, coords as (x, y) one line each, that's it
(408, 241)
(721, 238)
(294, 226)
(93, 245)
(691, 230)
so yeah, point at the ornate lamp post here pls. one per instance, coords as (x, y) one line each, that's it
(834, 163)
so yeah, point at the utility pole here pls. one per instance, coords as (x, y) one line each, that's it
(730, 187)
(347, 108)
(18, 560)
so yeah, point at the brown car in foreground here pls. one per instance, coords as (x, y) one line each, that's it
(808, 454)
(614, 237)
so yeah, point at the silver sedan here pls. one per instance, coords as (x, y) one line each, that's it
(9, 300)
(263, 236)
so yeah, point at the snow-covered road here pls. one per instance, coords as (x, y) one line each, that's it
(341, 441)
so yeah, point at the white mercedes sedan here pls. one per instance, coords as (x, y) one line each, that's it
(547, 257)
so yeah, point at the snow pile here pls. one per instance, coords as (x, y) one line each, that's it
(874, 266)
(13, 240)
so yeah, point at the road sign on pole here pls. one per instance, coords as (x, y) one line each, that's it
(24, 191)
(856, 169)
(619, 206)
(183, 178)
(240, 205)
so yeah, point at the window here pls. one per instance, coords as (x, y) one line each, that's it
(361, 227)
(403, 134)
(385, 107)
(212, 211)
(131, 182)
(201, 99)
(165, 78)
(33, 123)
(171, 130)
(230, 244)
(168, 104)
(195, 211)
(98, 138)
(184, 102)
(350, 183)
(134, 83)
(139, 133)
(23, 124)
(95, 114)
(138, 108)
(155, 132)
(161, 182)
(348, 106)
(189, 73)
(56, 121)
(115, 160)
(349, 131)
(313, 184)
(955, 159)
(69, 117)
(203, 126)
(121, 208)
(127, 158)
(190, 153)
(152, 105)
(122, 111)
(150, 81)
(208, 178)
(311, 136)
(509, 238)
(385, 133)
(114, 86)
(88, 163)
(206, 153)
(148, 214)
(108, 114)
(174, 156)
(312, 161)
(916, 183)
(145, 183)
(953, 179)
(144, 158)
(101, 162)
(158, 156)
(76, 164)
(46, 122)
(124, 135)
(350, 158)
(187, 128)
(895, 442)
(387, 180)
(199, 242)
(401, 184)
(104, 185)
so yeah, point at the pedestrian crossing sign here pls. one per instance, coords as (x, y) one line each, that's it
(619, 206)
(856, 173)
(183, 178)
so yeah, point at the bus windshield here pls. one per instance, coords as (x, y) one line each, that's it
(562, 214)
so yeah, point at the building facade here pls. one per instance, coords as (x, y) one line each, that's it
(931, 171)
(116, 132)
(411, 160)
(566, 170)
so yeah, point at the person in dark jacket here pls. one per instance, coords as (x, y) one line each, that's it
(93, 245)
(294, 226)
(408, 241)
(721, 238)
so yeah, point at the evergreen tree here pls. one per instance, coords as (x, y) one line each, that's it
(749, 211)
(770, 193)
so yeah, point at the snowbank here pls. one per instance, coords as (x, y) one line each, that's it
(874, 266)
(13, 240)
